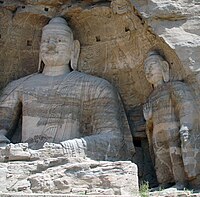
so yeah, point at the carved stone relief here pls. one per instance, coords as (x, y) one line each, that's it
(114, 42)
(172, 116)
(65, 114)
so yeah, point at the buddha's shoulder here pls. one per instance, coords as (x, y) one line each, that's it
(19, 82)
(169, 87)
(94, 80)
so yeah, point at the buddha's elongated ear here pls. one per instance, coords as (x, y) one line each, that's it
(40, 65)
(75, 54)
(165, 71)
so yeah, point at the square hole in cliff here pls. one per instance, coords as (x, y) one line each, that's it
(29, 43)
(98, 39)
(127, 29)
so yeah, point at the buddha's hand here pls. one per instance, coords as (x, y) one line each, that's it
(184, 133)
(147, 111)
(3, 139)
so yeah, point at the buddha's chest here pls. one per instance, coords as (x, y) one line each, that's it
(161, 100)
(50, 100)
(162, 107)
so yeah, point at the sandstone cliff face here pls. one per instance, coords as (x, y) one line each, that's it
(115, 37)
(114, 41)
(178, 23)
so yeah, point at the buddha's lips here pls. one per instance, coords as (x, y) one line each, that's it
(49, 52)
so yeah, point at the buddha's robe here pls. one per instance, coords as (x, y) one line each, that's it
(79, 110)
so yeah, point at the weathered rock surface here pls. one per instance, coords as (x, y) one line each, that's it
(114, 40)
(178, 22)
(55, 173)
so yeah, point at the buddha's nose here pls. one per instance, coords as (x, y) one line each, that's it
(51, 45)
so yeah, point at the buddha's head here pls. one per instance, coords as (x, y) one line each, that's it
(58, 47)
(156, 68)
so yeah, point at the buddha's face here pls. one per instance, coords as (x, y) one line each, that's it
(153, 70)
(56, 47)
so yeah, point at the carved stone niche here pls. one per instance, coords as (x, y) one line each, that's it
(114, 41)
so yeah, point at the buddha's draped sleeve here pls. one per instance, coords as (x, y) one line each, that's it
(10, 107)
(106, 141)
(186, 109)
(184, 103)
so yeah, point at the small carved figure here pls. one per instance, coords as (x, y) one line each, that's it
(80, 111)
(172, 125)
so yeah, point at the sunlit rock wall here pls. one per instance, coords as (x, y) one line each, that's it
(114, 41)
(178, 22)
(115, 37)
